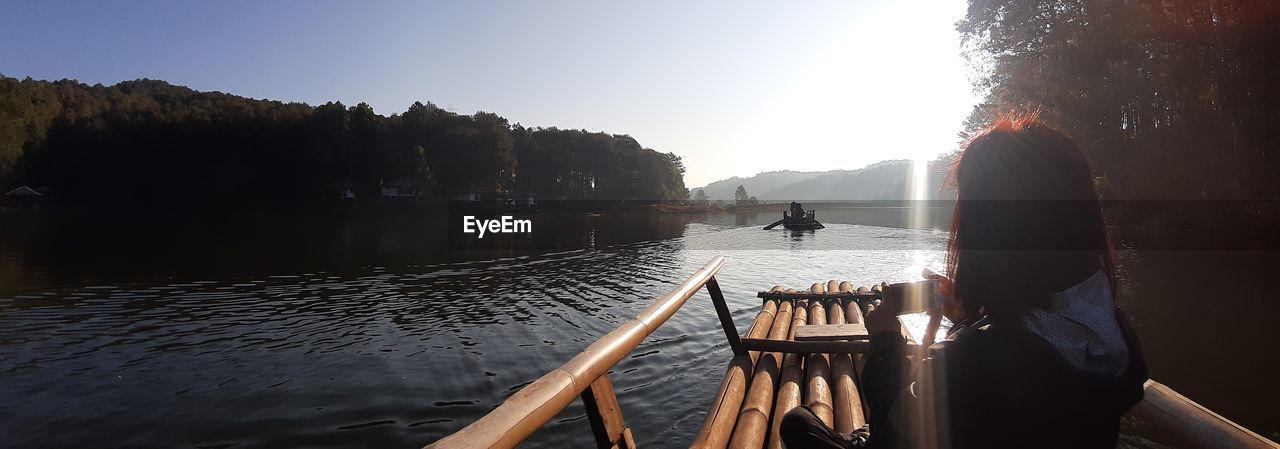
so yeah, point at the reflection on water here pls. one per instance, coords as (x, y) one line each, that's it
(259, 332)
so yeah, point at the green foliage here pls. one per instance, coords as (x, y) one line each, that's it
(1173, 99)
(148, 142)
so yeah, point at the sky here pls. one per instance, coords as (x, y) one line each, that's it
(733, 87)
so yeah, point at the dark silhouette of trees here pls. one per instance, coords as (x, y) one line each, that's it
(741, 198)
(1169, 99)
(150, 143)
(700, 196)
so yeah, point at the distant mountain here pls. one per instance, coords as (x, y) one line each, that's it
(763, 182)
(881, 180)
(886, 180)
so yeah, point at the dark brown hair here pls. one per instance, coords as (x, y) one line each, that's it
(1027, 222)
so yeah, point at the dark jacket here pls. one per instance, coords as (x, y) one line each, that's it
(997, 386)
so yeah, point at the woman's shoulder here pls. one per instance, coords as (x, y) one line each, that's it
(997, 351)
(1006, 353)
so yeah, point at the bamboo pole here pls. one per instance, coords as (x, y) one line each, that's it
(789, 390)
(753, 420)
(853, 314)
(818, 372)
(835, 313)
(531, 407)
(846, 403)
(763, 323)
(818, 288)
(718, 427)
(1192, 423)
(849, 414)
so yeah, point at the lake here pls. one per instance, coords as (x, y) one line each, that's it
(278, 330)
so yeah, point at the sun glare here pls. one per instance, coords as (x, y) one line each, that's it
(881, 92)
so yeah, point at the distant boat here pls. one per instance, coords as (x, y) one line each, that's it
(797, 220)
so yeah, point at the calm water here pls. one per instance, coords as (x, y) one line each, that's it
(308, 332)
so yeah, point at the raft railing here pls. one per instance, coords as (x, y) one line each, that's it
(585, 376)
(1192, 424)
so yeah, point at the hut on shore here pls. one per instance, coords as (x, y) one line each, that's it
(23, 197)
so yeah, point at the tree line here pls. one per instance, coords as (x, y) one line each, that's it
(151, 143)
(1168, 99)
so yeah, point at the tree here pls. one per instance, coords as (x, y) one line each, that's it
(740, 195)
(700, 196)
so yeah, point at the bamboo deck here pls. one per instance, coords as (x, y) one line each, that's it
(761, 386)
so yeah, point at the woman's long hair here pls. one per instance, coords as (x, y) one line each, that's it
(1027, 222)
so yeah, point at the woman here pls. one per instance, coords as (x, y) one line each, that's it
(1040, 356)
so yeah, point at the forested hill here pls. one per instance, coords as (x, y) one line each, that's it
(887, 180)
(151, 143)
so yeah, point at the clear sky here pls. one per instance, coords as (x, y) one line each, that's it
(734, 87)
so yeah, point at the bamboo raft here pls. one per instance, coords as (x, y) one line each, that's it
(800, 222)
(804, 347)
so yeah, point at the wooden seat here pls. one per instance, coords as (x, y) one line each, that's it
(832, 332)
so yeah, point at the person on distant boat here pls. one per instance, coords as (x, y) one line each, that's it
(797, 211)
(1040, 356)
